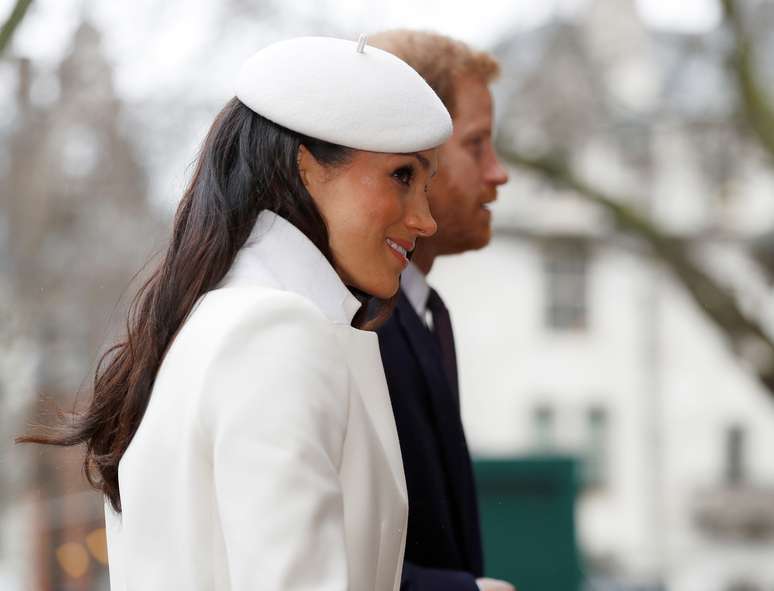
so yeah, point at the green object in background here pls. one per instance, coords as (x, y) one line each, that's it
(528, 522)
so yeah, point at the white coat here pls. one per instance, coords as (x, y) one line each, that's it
(267, 457)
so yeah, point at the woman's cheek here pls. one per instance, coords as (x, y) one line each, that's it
(367, 181)
(392, 207)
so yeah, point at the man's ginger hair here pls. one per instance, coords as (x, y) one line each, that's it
(440, 60)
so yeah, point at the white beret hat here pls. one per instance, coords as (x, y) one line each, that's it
(346, 93)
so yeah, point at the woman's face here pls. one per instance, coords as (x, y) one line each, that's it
(375, 207)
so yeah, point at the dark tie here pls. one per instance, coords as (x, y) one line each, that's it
(442, 329)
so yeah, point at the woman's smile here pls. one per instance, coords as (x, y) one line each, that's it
(399, 250)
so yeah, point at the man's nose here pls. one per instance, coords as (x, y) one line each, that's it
(495, 171)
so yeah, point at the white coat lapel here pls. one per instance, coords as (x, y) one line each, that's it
(362, 348)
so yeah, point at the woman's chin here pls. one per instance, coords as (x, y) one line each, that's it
(384, 290)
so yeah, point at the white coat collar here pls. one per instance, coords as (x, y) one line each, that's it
(277, 248)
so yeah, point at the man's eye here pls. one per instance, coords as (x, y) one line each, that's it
(404, 174)
(476, 146)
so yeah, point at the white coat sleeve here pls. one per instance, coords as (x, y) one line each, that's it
(278, 399)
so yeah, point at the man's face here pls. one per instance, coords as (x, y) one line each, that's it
(468, 174)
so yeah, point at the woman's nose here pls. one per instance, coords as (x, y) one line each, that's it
(418, 217)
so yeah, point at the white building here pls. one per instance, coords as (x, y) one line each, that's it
(571, 339)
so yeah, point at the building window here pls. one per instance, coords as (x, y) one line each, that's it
(735, 438)
(543, 428)
(597, 445)
(566, 269)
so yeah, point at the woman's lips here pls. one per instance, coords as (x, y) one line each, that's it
(399, 250)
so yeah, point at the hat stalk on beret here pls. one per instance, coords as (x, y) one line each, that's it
(361, 43)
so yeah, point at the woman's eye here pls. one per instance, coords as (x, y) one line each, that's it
(404, 174)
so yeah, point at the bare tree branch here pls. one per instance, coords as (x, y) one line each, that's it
(745, 334)
(12, 22)
(756, 106)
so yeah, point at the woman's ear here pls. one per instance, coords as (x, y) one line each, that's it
(309, 170)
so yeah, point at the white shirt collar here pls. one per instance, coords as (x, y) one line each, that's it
(277, 250)
(416, 288)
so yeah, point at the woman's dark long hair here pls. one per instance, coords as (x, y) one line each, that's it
(247, 164)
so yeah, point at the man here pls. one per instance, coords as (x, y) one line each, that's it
(443, 548)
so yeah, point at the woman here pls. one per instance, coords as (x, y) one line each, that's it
(242, 434)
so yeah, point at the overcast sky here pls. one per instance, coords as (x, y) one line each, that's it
(189, 50)
(183, 24)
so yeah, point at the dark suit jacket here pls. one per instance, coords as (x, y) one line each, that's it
(443, 546)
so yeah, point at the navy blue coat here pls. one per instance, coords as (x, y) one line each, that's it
(443, 545)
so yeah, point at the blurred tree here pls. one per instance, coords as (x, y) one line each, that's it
(75, 225)
(756, 106)
(745, 333)
(12, 22)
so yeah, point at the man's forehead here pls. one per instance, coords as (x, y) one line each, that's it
(472, 105)
(476, 123)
